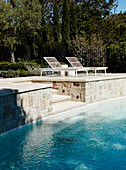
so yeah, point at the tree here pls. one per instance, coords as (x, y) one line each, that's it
(56, 26)
(79, 48)
(8, 26)
(22, 19)
(116, 58)
(97, 51)
(90, 13)
(73, 22)
(65, 23)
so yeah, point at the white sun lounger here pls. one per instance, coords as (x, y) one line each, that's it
(76, 64)
(57, 67)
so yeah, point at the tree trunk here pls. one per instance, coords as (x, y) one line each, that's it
(12, 57)
(12, 50)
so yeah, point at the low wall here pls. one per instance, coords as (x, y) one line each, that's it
(106, 89)
(74, 89)
(18, 107)
(92, 91)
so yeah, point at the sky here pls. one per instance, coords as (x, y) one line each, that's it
(121, 6)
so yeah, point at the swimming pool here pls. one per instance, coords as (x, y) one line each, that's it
(91, 137)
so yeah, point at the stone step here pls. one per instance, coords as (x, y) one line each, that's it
(59, 98)
(65, 106)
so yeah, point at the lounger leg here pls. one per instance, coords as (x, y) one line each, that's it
(87, 72)
(41, 73)
(76, 73)
(95, 72)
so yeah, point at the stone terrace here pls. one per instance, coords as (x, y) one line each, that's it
(26, 99)
(84, 88)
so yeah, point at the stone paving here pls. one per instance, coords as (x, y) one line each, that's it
(80, 78)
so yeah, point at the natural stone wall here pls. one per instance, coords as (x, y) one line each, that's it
(106, 89)
(74, 89)
(92, 91)
(19, 108)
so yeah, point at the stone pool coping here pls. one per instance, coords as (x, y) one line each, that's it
(80, 78)
(7, 88)
(21, 103)
(82, 88)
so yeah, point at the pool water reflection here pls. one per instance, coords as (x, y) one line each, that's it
(92, 137)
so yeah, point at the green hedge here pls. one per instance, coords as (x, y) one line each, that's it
(11, 66)
(19, 69)
(18, 65)
(13, 73)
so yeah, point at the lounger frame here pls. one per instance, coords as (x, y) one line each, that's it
(76, 64)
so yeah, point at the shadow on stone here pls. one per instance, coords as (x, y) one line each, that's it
(12, 113)
(25, 104)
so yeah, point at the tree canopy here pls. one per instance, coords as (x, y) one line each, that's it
(31, 29)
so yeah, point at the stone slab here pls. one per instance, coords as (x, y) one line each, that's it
(59, 98)
(65, 106)
(80, 78)
(14, 88)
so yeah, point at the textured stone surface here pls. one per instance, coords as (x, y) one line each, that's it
(102, 90)
(92, 91)
(74, 89)
(18, 109)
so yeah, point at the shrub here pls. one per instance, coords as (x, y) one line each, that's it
(19, 69)
(116, 58)
(11, 66)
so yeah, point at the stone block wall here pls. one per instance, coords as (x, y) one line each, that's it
(74, 89)
(92, 91)
(20, 108)
(103, 90)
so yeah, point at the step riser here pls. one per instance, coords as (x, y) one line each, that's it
(60, 98)
(67, 105)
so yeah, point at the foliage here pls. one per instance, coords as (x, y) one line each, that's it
(13, 73)
(65, 23)
(18, 20)
(79, 49)
(9, 69)
(116, 57)
(89, 53)
(86, 29)
(11, 66)
(73, 21)
(97, 51)
(56, 23)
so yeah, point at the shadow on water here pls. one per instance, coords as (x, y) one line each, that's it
(12, 112)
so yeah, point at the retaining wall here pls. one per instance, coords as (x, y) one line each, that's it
(74, 89)
(102, 90)
(18, 108)
(92, 91)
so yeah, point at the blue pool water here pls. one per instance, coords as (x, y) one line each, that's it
(91, 138)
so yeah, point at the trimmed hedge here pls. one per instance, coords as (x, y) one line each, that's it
(13, 73)
(11, 66)
(17, 65)
(19, 69)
